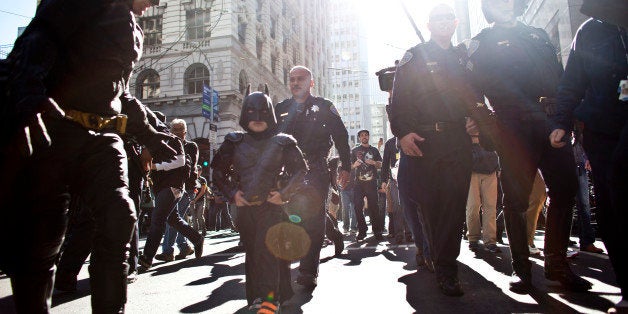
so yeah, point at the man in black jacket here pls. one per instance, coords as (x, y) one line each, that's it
(79, 55)
(515, 67)
(594, 90)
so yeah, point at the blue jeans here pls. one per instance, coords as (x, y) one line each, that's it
(164, 212)
(587, 235)
(348, 215)
(170, 235)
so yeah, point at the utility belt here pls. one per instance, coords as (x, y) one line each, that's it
(549, 105)
(95, 122)
(438, 127)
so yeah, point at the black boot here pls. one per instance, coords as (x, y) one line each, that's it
(557, 269)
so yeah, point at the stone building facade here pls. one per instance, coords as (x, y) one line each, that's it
(226, 44)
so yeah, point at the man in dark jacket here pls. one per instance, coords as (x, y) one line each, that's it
(594, 89)
(79, 55)
(515, 67)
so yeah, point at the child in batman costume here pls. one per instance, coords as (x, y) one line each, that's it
(247, 169)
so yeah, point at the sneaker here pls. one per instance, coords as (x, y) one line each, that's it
(183, 253)
(534, 250)
(260, 306)
(474, 245)
(165, 257)
(571, 254)
(493, 248)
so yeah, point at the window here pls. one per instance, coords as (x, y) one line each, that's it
(259, 10)
(151, 26)
(285, 76)
(259, 45)
(273, 27)
(273, 64)
(197, 22)
(243, 81)
(196, 76)
(241, 30)
(147, 84)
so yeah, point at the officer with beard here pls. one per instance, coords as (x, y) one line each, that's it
(246, 170)
(515, 67)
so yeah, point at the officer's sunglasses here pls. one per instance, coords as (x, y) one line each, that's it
(442, 17)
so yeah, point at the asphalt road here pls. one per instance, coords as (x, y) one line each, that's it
(369, 277)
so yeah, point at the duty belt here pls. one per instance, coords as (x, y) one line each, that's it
(437, 127)
(549, 105)
(95, 122)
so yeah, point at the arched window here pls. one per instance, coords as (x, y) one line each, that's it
(147, 84)
(195, 76)
(243, 81)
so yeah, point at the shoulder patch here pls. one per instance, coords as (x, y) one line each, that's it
(333, 110)
(284, 139)
(406, 58)
(234, 137)
(472, 46)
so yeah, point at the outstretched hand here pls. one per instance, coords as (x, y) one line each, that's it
(240, 200)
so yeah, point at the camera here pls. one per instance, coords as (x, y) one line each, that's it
(386, 77)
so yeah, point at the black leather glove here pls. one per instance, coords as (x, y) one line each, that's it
(30, 130)
(163, 146)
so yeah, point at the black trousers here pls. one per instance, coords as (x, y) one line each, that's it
(266, 274)
(441, 185)
(609, 158)
(95, 166)
(523, 149)
(78, 241)
(368, 190)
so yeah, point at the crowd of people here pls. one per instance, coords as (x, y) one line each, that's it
(452, 165)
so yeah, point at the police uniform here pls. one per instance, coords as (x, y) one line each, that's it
(598, 62)
(315, 124)
(517, 70)
(59, 56)
(428, 100)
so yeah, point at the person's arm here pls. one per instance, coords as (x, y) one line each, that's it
(570, 92)
(340, 136)
(296, 167)
(201, 193)
(223, 175)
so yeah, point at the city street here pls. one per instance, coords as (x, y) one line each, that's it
(369, 277)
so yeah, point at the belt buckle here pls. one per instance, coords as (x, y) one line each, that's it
(437, 127)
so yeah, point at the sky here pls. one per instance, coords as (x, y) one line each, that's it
(389, 32)
(13, 14)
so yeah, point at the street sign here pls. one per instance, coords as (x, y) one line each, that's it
(209, 107)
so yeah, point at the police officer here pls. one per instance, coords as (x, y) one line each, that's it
(427, 114)
(515, 67)
(597, 66)
(81, 55)
(315, 123)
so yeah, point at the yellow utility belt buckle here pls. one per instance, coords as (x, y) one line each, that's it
(97, 123)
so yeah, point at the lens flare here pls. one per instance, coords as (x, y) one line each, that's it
(287, 241)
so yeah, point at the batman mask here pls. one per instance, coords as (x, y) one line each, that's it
(257, 106)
